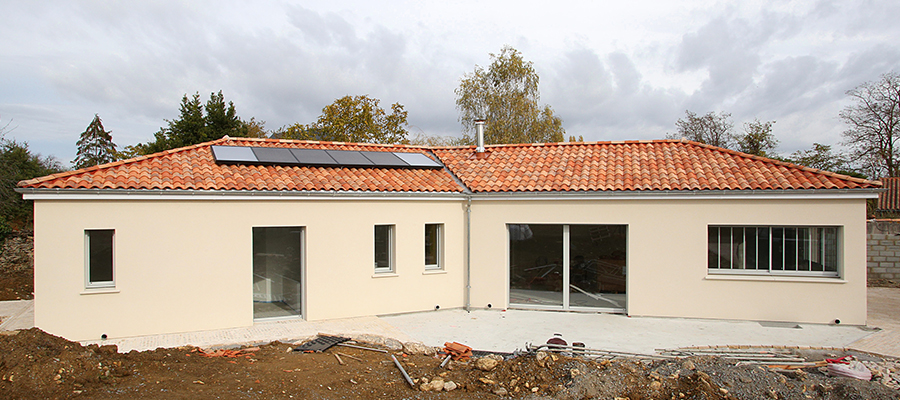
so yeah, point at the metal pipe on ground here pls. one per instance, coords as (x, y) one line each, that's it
(403, 371)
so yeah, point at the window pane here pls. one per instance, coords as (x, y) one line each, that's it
(597, 265)
(763, 243)
(750, 240)
(725, 248)
(737, 248)
(713, 247)
(432, 245)
(777, 249)
(831, 249)
(277, 262)
(383, 246)
(100, 264)
(790, 249)
(803, 249)
(535, 264)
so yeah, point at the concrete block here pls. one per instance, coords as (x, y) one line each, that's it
(885, 264)
(878, 258)
(879, 270)
(892, 259)
(877, 248)
(893, 247)
(888, 276)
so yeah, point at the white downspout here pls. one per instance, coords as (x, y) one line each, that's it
(468, 253)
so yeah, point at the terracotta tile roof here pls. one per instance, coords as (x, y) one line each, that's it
(193, 168)
(890, 200)
(631, 166)
(546, 167)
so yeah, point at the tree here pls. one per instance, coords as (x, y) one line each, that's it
(821, 156)
(712, 129)
(196, 126)
(353, 119)
(17, 163)
(507, 96)
(873, 122)
(757, 138)
(95, 146)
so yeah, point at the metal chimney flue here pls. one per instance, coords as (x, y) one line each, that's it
(479, 135)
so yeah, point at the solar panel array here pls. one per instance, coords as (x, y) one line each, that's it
(320, 158)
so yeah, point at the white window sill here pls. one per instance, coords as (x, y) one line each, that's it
(100, 290)
(434, 271)
(385, 275)
(770, 278)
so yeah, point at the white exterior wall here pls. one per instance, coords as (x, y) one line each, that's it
(667, 256)
(186, 265)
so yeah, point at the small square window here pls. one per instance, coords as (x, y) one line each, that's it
(384, 248)
(433, 245)
(99, 258)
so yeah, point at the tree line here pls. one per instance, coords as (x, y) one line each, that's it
(505, 93)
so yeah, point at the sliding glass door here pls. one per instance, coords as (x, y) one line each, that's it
(566, 267)
(277, 271)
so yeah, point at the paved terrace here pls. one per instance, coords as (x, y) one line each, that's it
(510, 330)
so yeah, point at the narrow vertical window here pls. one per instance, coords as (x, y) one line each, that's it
(433, 245)
(99, 258)
(384, 248)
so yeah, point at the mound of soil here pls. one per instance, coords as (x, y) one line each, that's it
(34, 364)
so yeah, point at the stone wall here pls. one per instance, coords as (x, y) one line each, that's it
(883, 242)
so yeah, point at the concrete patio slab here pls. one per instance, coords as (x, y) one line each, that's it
(17, 314)
(512, 329)
(884, 313)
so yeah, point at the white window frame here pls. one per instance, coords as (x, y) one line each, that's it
(390, 269)
(439, 248)
(742, 270)
(88, 284)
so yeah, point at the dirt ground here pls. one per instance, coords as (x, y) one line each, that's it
(34, 364)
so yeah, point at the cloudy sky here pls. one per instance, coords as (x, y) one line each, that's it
(611, 70)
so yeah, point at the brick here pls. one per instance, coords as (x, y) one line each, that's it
(887, 276)
(871, 264)
(893, 247)
(879, 270)
(879, 258)
(885, 264)
(892, 259)
(877, 248)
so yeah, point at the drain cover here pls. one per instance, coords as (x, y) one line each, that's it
(320, 343)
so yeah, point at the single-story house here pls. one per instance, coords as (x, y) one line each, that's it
(229, 232)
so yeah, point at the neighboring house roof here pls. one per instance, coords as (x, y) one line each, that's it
(663, 165)
(193, 168)
(631, 166)
(889, 200)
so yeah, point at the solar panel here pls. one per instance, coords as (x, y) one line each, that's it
(313, 157)
(321, 158)
(233, 154)
(274, 155)
(384, 159)
(349, 158)
(418, 160)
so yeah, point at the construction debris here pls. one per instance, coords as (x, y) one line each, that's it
(458, 351)
(403, 371)
(362, 347)
(226, 353)
(320, 343)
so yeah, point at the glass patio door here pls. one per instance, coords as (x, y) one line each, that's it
(277, 272)
(567, 267)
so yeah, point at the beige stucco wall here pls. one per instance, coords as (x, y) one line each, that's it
(186, 265)
(667, 256)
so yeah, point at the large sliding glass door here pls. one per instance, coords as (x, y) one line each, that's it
(566, 267)
(277, 272)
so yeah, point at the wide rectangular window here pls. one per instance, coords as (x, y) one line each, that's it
(777, 250)
(98, 245)
(433, 245)
(384, 248)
